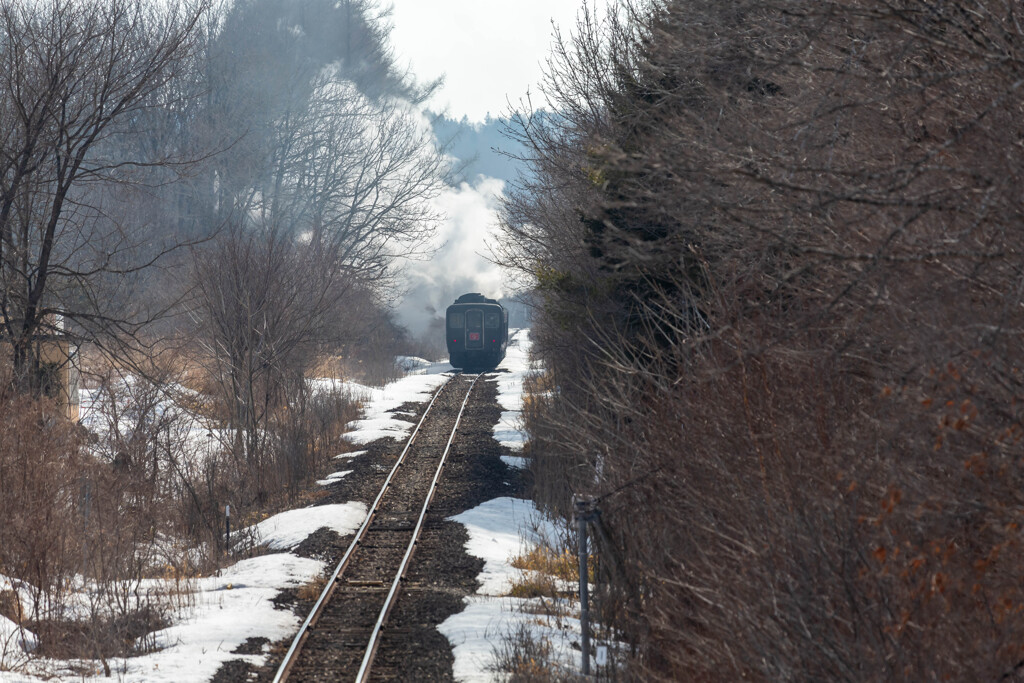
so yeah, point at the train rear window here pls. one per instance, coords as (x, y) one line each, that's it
(456, 319)
(491, 319)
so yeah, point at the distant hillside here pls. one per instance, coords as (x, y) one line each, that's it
(481, 148)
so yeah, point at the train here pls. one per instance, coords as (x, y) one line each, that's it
(477, 332)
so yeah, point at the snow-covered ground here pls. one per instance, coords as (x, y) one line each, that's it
(288, 529)
(225, 610)
(499, 530)
(113, 410)
(508, 431)
(378, 420)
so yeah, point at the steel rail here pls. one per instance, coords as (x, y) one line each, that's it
(314, 614)
(371, 648)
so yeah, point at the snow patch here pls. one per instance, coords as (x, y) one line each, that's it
(286, 530)
(412, 364)
(378, 419)
(347, 456)
(499, 530)
(479, 631)
(508, 431)
(333, 477)
(15, 640)
(226, 610)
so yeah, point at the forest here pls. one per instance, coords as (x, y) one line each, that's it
(777, 256)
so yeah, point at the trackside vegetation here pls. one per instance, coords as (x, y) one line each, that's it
(775, 252)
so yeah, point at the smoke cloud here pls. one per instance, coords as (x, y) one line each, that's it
(460, 263)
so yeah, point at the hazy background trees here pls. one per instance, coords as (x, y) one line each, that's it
(327, 182)
(74, 76)
(481, 148)
(778, 272)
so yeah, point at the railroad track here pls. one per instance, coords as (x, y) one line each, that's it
(342, 634)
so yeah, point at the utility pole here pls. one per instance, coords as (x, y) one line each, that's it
(584, 513)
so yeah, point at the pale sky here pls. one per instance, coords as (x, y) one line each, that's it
(489, 50)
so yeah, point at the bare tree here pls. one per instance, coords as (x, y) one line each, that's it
(351, 176)
(74, 74)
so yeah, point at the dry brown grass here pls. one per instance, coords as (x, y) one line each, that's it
(562, 563)
(311, 590)
(334, 366)
(546, 572)
(11, 607)
(311, 496)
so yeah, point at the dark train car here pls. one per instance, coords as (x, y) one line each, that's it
(477, 329)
